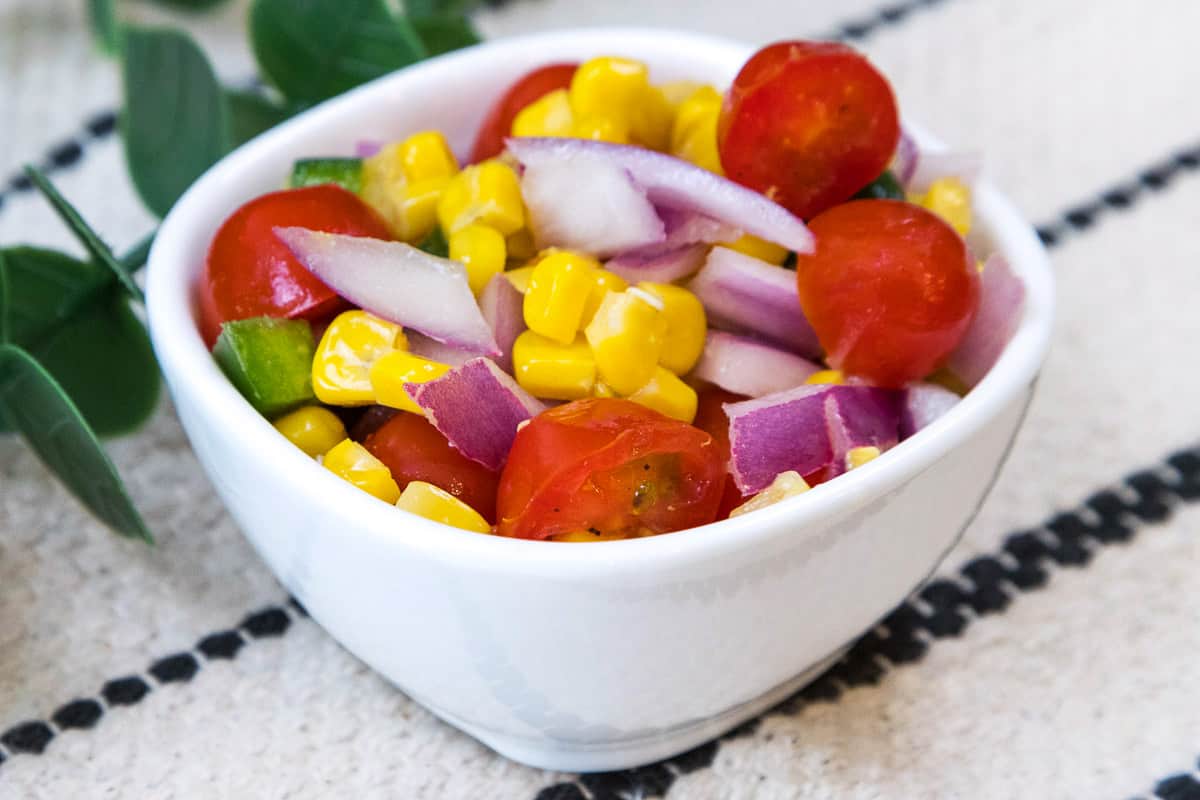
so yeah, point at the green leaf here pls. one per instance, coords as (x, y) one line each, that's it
(441, 34)
(45, 288)
(190, 5)
(43, 413)
(176, 119)
(251, 113)
(439, 8)
(103, 17)
(136, 258)
(314, 49)
(90, 240)
(5, 305)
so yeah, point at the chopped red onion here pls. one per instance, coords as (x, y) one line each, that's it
(477, 407)
(397, 282)
(688, 227)
(365, 148)
(922, 404)
(659, 266)
(426, 347)
(666, 181)
(745, 295)
(752, 368)
(1001, 303)
(503, 308)
(865, 416)
(931, 165)
(905, 162)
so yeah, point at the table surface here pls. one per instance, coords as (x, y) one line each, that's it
(1065, 671)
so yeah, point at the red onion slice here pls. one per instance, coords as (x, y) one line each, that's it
(425, 347)
(745, 295)
(922, 404)
(397, 282)
(745, 366)
(1001, 303)
(365, 148)
(686, 227)
(670, 181)
(659, 266)
(477, 407)
(929, 166)
(503, 308)
(904, 164)
(864, 416)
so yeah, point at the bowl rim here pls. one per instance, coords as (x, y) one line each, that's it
(190, 369)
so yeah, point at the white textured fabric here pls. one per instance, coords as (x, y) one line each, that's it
(1089, 687)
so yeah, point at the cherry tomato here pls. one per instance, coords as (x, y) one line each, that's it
(890, 289)
(250, 273)
(808, 124)
(414, 450)
(712, 419)
(608, 466)
(497, 125)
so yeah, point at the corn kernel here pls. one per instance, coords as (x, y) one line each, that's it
(559, 287)
(550, 115)
(857, 456)
(602, 389)
(481, 250)
(619, 89)
(832, 377)
(950, 199)
(352, 462)
(313, 429)
(488, 193)
(415, 210)
(427, 155)
(352, 343)
(627, 335)
(759, 248)
(547, 369)
(695, 109)
(519, 278)
(678, 91)
(652, 119)
(520, 245)
(405, 180)
(687, 326)
(601, 129)
(786, 484)
(605, 282)
(694, 131)
(668, 395)
(393, 370)
(429, 501)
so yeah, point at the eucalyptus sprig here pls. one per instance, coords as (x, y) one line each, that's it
(75, 360)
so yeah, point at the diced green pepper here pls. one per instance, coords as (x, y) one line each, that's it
(345, 172)
(885, 187)
(435, 243)
(269, 361)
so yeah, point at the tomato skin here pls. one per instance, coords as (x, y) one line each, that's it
(608, 465)
(414, 450)
(712, 419)
(530, 88)
(250, 273)
(890, 289)
(808, 124)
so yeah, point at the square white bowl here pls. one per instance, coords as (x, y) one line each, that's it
(577, 657)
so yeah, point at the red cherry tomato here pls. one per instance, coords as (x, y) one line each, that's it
(497, 125)
(711, 418)
(890, 289)
(808, 124)
(611, 467)
(414, 450)
(250, 273)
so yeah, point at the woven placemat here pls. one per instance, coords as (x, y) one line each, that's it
(1055, 655)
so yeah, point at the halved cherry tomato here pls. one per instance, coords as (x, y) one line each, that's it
(890, 289)
(608, 466)
(712, 419)
(414, 450)
(808, 124)
(250, 273)
(497, 125)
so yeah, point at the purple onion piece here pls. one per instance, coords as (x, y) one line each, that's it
(922, 404)
(745, 366)
(659, 266)
(1001, 303)
(503, 308)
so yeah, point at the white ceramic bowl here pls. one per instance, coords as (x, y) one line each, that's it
(576, 657)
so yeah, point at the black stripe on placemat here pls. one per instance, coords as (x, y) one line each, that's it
(34, 736)
(861, 28)
(64, 154)
(1180, 786)
(945, 607)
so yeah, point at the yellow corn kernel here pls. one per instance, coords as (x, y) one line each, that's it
(605, 282)
(429, 501)
(602, 389)
(352, 343)
(619, 89)
(950, 199)
(559, 287)
(627, 335)
(759, 248)
(481, 250)
(427, 155)
(519, 278)
(393, 370)
(415, 213)
(652, 119)
(786, 484)
(827, 376)
(487, 193)
(405, 180)
(313, 429)
(352, 462)
(861, 455)
(668, 395)
(550, 115)
(601, 129)
(547, 369)
(686, 326)
(694, 109)
(678, 91)
(520, 245)
(694, 131)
